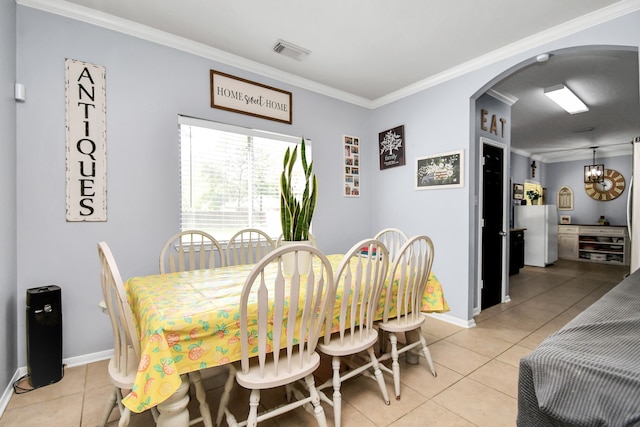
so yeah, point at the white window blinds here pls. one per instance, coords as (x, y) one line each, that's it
(230, 177)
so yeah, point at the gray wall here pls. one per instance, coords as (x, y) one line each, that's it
(8, 288)
(585, 209)
(441, 118)
(148, 86)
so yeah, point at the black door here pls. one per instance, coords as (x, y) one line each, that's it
(492, 232)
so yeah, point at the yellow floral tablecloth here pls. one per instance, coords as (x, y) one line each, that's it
(190, 321)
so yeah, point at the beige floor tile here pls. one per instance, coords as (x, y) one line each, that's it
(420, 379)
(62, 412)
(499, 376)
(504, 329)
(438, 328)
(364, 395)
(72, 382)
(97, 375)
(350, 417)
(94, 405)
(535, 338)
(513, 355)
(144, 419)
(430, 414)
(479, 404)
(456, 358)
(480, 341)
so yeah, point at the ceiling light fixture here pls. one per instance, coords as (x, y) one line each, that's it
(562, 95)
(593, 172)
(543, 57)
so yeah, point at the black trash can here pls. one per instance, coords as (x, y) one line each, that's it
(44, 335)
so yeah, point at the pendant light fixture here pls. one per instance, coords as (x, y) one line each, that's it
(594, 172)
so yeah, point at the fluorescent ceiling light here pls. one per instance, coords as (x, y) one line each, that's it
(561, 95)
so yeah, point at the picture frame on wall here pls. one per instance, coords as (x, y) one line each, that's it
(518, 191)
(565, 199)
(442, 170)
(391, 145)
(351, 166)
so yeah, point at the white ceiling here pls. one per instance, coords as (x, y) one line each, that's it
(371, 52)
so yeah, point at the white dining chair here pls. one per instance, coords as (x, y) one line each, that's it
(269, 302)
(191, 250)
(406, 284)
(194, 250)
(123, 365)
(358, 282)
(248, 246)
(393, 239)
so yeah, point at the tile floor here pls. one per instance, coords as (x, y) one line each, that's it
(477, 368)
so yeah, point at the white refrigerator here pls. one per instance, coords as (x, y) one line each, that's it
(541, 234)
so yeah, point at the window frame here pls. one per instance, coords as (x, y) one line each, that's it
(244, 131)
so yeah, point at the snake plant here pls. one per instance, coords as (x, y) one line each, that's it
(296, 214)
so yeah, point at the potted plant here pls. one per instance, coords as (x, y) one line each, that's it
(533, 195)
(296, 214)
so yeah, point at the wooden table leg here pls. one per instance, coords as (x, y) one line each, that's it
(173, 411)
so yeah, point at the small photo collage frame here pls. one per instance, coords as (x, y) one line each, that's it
(351, 166)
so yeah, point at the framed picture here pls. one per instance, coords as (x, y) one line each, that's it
(391, 147)
(565, 199)
(443, 170)
(243, 96)
(565, 219)
(351, 166)
(518, 191)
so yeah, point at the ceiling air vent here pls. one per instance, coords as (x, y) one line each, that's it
(291, 50)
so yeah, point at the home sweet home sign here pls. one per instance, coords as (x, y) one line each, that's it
(86, 141)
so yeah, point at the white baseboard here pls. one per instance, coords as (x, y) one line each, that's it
(70, 362)
(453, 320)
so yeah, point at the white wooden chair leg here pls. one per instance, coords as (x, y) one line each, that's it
(254, 401)
(337, 397)
(201, 396)
(315, 401)
(125, 413)
(427, 355)
(125, 416)
(378, 375)
(111, 403)
(395, 366)
(224, 400)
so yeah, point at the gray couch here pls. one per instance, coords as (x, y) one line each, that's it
(587, 373)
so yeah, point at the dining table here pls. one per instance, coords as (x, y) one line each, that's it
(189, 321)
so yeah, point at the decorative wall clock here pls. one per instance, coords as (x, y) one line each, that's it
(609, 189)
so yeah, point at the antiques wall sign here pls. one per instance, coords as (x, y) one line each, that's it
(391, 147)
(85, 92)
(246, 97)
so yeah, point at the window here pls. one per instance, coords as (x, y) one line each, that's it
(230, 177)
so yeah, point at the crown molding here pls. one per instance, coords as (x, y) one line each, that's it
(505, 98)
(124, 26)
(104, 20)
(584, 22)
